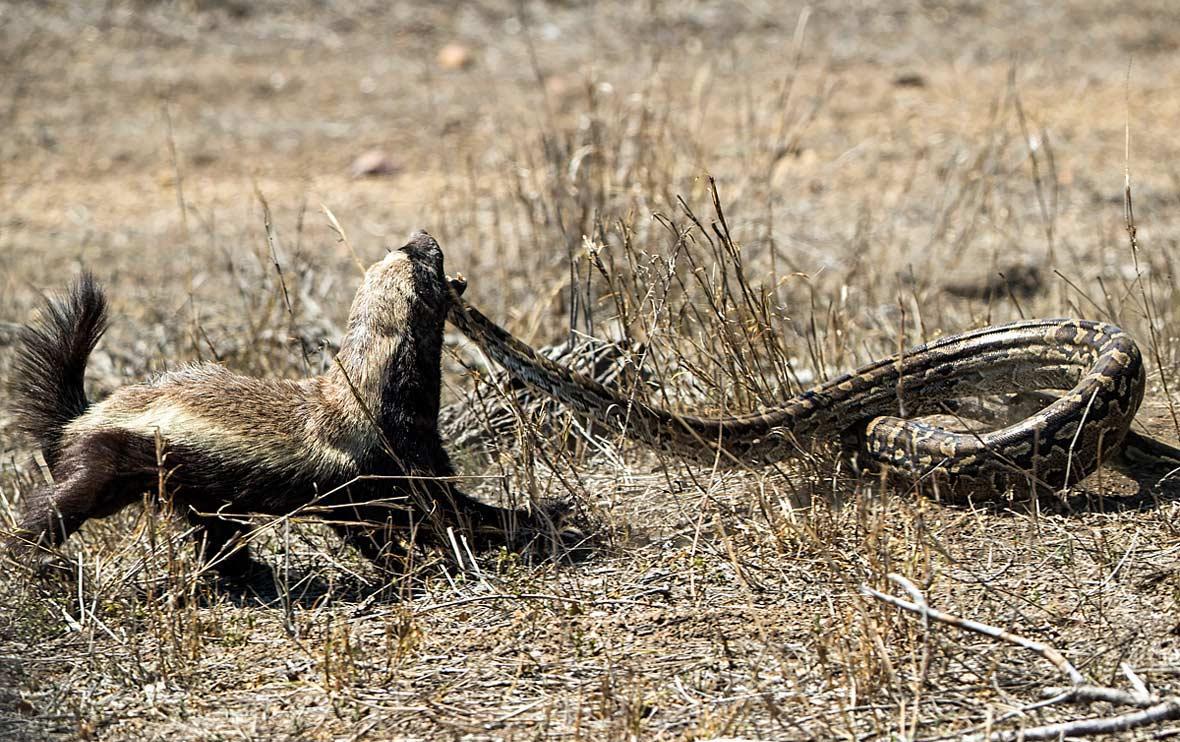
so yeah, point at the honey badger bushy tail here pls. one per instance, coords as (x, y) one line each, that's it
(46, 382)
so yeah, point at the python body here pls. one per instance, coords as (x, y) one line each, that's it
(1097, 365)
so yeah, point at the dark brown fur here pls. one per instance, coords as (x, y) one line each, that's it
(361, 442)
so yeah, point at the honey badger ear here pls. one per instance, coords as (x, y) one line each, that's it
(422, 247)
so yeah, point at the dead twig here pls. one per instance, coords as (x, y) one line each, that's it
(1164, 711)
(1044, 650)
(1152, 708)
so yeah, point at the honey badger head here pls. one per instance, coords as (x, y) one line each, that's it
(393, 348)
(407, 284)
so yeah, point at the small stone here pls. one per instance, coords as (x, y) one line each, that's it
(372, 164)
(557, 86)
(454, 57)
(910, 80)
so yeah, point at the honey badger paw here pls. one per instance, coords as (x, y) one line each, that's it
(560, 532)
(38, 558)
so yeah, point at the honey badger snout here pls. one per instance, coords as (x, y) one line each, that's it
(422, 246)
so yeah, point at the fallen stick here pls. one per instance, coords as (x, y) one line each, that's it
(1152, 708)
(1044, 650)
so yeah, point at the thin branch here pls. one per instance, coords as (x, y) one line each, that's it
(1100, 693)
(334, 223)
(1044, 650)
(1164, 711)
(1136, 681)
(1152, 709)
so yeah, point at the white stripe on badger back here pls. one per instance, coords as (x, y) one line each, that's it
(287, 431)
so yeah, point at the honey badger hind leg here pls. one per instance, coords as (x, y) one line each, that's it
(47, 393)
(98, 474)
(86, 485)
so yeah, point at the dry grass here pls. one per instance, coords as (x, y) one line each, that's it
(863, 161)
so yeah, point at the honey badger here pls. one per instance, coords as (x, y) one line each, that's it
(360, 441)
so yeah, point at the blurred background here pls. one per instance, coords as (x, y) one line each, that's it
(137, 134)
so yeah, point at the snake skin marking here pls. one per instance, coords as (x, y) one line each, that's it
(1097, 366)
